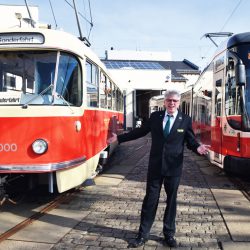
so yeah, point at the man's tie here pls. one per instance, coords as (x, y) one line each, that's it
(167, 126)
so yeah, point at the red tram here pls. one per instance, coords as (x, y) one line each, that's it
(219, 104)
(58, 106)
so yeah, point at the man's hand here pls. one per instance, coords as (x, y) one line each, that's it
(112, 139)
(203, 149)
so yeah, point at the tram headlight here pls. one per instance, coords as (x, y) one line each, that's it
(40, 146)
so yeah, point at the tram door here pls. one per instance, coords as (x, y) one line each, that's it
(217, 117)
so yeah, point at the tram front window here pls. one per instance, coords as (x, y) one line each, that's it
(237, 97)
(244, 53)
(28, 78)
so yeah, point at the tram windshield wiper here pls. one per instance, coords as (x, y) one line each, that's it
(56, 95)
(51, 86)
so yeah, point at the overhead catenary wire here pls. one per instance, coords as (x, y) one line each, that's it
(230, 16)
(84, 11)
(91, 19)
(90, 15)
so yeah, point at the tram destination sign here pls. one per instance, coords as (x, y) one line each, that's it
(21, 38)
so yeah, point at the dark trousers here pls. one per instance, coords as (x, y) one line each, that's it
(150, 204)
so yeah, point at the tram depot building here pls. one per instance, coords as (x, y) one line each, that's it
(143, 75)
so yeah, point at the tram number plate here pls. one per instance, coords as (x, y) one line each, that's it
(7, 147)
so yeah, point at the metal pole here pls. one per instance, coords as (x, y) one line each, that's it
(125, 113)
(28, 9)
(77, 20)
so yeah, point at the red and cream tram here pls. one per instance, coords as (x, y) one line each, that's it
(220, 105)
(58, 106)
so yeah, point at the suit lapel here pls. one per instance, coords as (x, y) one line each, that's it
(160, 120)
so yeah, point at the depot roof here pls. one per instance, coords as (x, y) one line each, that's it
(178, 68)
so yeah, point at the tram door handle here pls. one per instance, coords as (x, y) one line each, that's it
(238, 142)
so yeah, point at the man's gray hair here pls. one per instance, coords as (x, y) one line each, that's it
(171, 93)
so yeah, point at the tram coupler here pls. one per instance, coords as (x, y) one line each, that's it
(103, 158)
(102, 161)
(99, 169)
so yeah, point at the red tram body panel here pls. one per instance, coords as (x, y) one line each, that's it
(61, 132)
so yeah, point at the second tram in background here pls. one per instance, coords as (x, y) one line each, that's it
(219, 104)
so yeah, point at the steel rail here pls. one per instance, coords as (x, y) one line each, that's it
(50, 206)
(241, 185)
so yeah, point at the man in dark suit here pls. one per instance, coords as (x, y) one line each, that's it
(170, 129)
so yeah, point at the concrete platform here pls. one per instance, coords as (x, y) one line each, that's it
(233, 205)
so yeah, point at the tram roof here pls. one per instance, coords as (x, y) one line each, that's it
(231, 41)
(51, 39)
(238, 39)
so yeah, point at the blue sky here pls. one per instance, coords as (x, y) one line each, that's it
(160, 25)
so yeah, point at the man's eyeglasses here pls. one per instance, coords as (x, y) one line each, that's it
(172, 100)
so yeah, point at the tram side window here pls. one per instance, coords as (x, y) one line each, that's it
(195, 113)
(218, 107)
(183, 107)
(92, 84)
(103, 91)
(109, 94)
(114, 97)
(203, 113)
(188, 108)
(232, 97)
(119, 100)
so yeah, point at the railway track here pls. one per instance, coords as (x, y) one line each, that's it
(242, 184)
(59, 199)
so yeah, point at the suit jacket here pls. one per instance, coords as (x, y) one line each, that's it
(166, 154)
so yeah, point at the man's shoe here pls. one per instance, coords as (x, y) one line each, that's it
(138, 242)
(171, 241)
